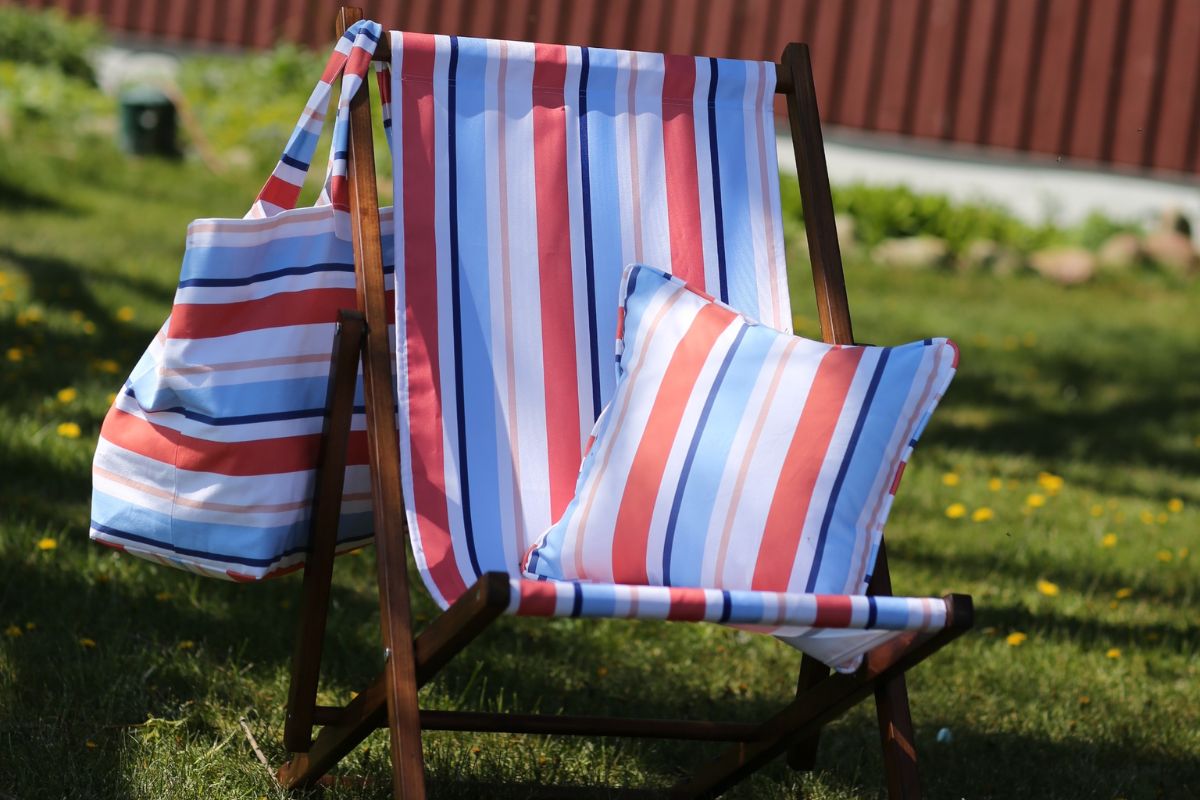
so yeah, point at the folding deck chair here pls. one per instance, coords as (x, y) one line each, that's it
(477, 579)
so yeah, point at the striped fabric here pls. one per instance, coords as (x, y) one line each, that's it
(206, 459)
(734, 456)
(527, 177)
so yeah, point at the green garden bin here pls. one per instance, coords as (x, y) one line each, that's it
(148, 122)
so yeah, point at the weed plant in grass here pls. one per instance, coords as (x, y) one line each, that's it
(1059, 484)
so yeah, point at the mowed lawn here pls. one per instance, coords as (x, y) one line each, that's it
(1059, 484)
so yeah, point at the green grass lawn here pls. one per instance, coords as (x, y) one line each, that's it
(1059, 484)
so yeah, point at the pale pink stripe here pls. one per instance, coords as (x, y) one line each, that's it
(279, 361)
(635, 184)
(618, 423)
(765, 189)
(506, 280)
(743, 469)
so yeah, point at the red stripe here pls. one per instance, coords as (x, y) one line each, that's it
(333, 67)
(954, 362)
(359, 62)
(383, 79)
(646, 473)
(421, 313)
(279, 192)
(687, 604)
(538, 599)
(554, 268)
(896, 480)
(801, 467)
(683, 181)
(308, 307)
(833, 611)
(255, 457)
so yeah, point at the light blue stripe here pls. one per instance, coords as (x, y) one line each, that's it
(217, 540)
(881, 421)
(479, 384)
(738, 215)
(712, 456)
(217, 261)
(599, 600)
(607, 247)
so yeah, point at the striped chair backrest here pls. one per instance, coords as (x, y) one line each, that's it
(527, 177)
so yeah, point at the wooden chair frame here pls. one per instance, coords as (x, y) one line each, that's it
(391, 700)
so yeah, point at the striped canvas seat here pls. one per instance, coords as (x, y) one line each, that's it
(527, 177)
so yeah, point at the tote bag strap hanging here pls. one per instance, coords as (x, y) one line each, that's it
(351, 58)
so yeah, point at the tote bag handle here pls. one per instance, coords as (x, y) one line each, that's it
(351, 58)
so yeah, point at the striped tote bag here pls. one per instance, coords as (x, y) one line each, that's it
(206, 458)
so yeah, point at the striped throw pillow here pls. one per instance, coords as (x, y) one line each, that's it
(735, 456)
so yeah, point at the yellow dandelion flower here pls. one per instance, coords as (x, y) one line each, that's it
(89, 744)
(107, 365)
(67, 395)
(162, 597)
(68, 430)
(30, 626)
(995, 485)
(956, 511)
(1050, 482)
(601, 671)
(87, 643)
(1174, 505)
(186, 644)
(1162, 517)
(1164, 555)
(14, 354)
(1113, 652)
(1147, 517)
(125, 314)
(1097, 510)
(1035, 500)
(1047, 588)
(950, 479)
(982, 514)
(3, 279)
(1015, 638)
(1113, 604)
(1084, 700)
(46, 543)
(13, 631)
(89, 327)
(1124, 593)
(1183, 553)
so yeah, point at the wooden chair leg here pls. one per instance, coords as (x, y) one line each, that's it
(892, 710)
(326, 510)
(803, 754)
(824, 703)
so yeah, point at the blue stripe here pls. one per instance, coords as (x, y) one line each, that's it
(589, 256)
(577, 600)
(456, 306)
(478, 379)
(872, 611)
(726, 606)
(716, 178)
(216, 261)
(294, 162)
(677, 501)
(845, 466)
(267, 276)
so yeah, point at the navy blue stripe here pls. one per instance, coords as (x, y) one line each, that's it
(341, 155)
(294, 162)
(364, 30)
(726, 606)
(387, 122)
(716, 178)
(677, 501)
(871, 612)
(186, 551)
(460, 401)
(388, 269)
(589, 257)
(841, 476)
(577, 601)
